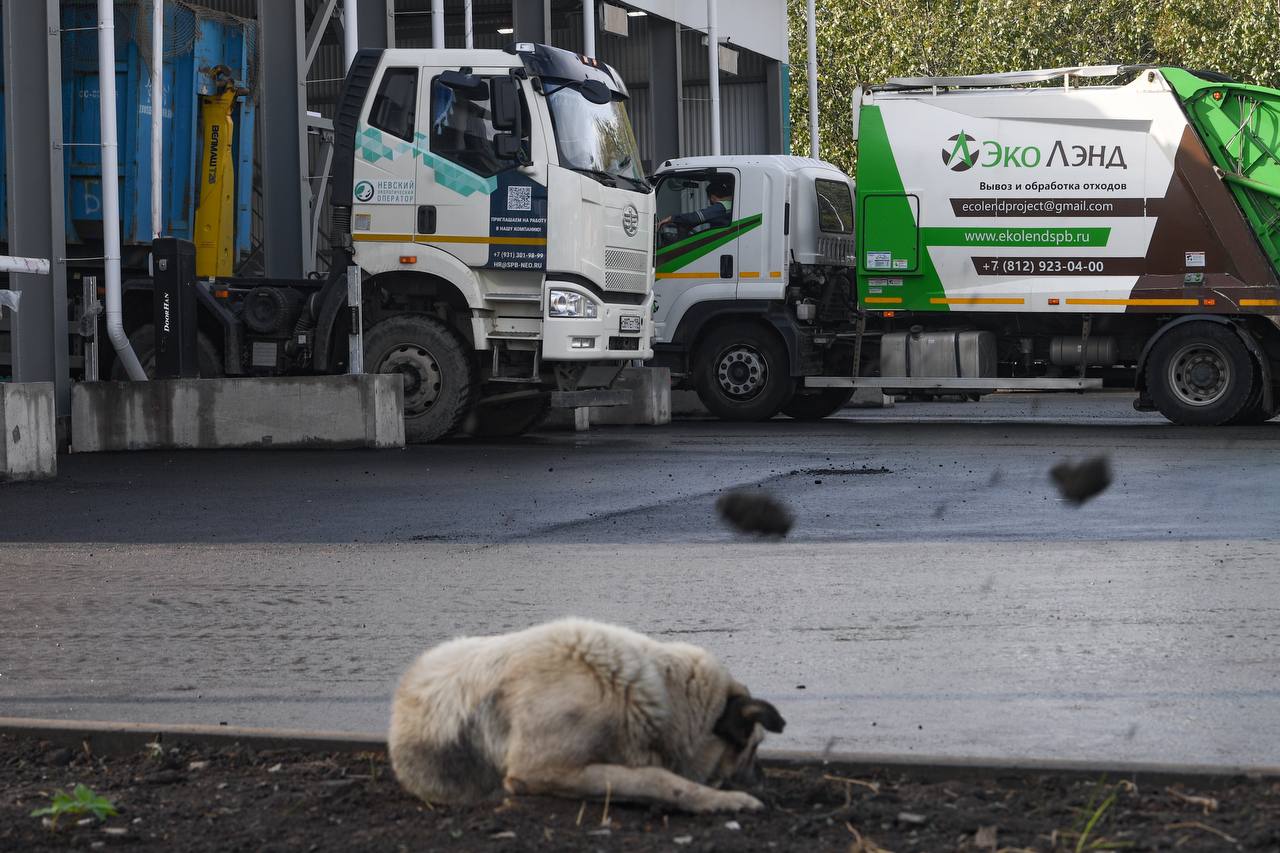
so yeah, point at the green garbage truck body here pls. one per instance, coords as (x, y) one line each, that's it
(1055, 235)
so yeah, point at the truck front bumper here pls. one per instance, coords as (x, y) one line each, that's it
(599, 338)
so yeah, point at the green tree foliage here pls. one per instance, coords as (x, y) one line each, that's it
(868, 41)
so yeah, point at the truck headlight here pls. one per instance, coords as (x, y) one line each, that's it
(568, 303)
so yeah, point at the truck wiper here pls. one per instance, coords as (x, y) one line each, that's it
(607, 178)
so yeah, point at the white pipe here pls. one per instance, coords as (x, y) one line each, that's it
(466, 11)
(111, 188)
(588, 27)
(713, 75)
(812, 26)
(437, 24)
(157, 114)
(35, 266)
(350, 30)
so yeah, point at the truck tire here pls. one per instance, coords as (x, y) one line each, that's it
(1253, 412)
(1200, 374)
(816, 405)
(741, 372)
(143, 341)
(439, 382)
(509, 419)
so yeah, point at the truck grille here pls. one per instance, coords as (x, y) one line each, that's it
(626, 270)
(836, 250)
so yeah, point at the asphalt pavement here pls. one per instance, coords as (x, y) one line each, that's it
(935, 597)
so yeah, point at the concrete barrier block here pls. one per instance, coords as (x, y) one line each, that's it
(28, 431)
(650, 405)
(365, 410)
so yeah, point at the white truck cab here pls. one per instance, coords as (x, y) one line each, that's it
(496, 206)
(754, 290)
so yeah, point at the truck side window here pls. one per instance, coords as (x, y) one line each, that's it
(395, 107)
(462, 131)
(835, 207)
(685, 201)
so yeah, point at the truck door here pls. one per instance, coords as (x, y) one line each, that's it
(696, 257)
(762, 235)
(385, 171)
(483, 209)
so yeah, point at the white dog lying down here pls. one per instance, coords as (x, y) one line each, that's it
(577, 709)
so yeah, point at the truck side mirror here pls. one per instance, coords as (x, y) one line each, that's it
(505, 115)
(504, 105)
(508, 146)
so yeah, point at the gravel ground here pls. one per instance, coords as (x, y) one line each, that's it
(236, 798)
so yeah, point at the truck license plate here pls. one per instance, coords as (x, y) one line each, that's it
(629, 323)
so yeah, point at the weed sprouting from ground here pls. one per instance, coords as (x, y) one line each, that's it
(81, 801)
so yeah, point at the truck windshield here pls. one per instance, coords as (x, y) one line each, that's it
(595, 138)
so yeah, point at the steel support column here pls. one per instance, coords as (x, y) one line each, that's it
(775, 107)
(377, 23)
(665, 89)
(33, 130)
(286, 196)
(531, 20)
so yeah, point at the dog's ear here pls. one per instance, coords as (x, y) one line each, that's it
(741, 713)
(760, 711)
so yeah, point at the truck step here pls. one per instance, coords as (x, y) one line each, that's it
(513, 335)
(977, 384)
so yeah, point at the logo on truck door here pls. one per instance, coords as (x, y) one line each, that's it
(960, 157)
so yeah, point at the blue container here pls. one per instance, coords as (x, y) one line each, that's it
(195, 43)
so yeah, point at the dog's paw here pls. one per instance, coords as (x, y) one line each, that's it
(733, 801)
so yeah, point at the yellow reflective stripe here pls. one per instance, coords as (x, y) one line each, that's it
(450, 238)
(745, 274)
(1149, 302)
(1259, 303)
(775, 274)
(976, 300)
(883, 300)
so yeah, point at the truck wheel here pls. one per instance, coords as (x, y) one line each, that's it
(439, 383)
(741, 373)
(816, 405)
(509, 419)
(1200, 374)
(1253, 413)
(143, 341)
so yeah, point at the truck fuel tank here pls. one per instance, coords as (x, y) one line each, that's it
(955, 354)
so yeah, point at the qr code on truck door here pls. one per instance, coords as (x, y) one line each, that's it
(519, 198)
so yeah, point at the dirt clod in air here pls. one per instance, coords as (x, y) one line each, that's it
(1081, 481)
(755, 512)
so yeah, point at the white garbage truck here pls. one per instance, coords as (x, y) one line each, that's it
(753, 282)
(1050, 229)
(494, 204)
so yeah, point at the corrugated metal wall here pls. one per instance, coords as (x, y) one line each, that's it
(743, 119)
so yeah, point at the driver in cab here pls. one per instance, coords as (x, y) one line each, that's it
(717, 214)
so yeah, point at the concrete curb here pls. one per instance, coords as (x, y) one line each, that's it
(106, 738)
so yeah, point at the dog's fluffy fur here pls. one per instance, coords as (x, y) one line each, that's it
(577, 709)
